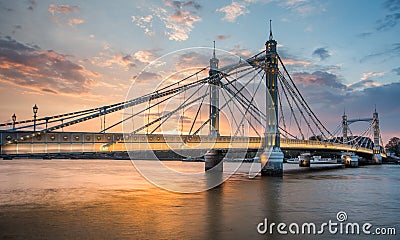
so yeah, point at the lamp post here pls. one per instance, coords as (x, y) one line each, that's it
(35, 110)
(14, 119)
(47, 122)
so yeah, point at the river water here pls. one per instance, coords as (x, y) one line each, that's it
(109, 199)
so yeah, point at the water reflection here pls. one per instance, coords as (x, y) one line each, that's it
(109, 199)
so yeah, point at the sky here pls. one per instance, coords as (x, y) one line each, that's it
(71, 55)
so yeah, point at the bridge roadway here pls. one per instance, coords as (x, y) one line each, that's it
(82, 142)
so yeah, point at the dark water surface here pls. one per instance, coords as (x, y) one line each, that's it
(108, 199)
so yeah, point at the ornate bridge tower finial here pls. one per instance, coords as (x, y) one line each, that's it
(270, 30)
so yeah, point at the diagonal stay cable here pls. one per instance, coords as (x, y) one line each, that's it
(230, 110)
(225, 104)
(313, 114)
(136, 114)
(180, 107)
(247, 109)
(291, 107)
(97, 108)
(166, 115)
(197, 114)
(249, 103)
(293, 95)
(241, 94)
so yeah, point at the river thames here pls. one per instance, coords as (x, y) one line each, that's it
(109, 199)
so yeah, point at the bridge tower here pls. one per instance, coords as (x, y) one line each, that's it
(214, 157)
(272, 157)
(345, 126)
(214, 83)
(377, 158)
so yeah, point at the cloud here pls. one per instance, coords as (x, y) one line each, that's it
(322, 53)
(392, 17)
(293, 3)
(390, 21)
(241, 52)
(16, 28)
(397, 70)
(384, 97)
(32, 4)
(366, 83)
(119, 59)
(318, 78)
(145, 56)
(145, 77)
(292, 61)
(197, 6)
(7, 9)
(302, 7)
(234, 10)
(365, 34)
(327, 96)
(178, 19)
(75, 21)
(191, 60)
(62, 9)
(223, 37)
(126, 61)
(145, 23)
(392, 5)
(59, 12)
(388, 53)
(371, 74)
(42, 70)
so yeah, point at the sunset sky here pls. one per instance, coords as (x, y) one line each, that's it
(71, 55)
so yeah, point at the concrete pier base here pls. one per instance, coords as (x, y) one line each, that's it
(272, 162)
(377, 159)
(305, 160)
(213, 160)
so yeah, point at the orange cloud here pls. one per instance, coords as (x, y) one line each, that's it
(40, 70)
(75, 21)
(64, 9)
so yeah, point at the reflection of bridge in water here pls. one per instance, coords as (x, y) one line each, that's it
(233, 92)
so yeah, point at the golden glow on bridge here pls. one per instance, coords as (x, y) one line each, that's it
(70, 142)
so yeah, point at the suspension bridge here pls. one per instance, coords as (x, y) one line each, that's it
(241, 117)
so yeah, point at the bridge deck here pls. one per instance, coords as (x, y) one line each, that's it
(64, 142)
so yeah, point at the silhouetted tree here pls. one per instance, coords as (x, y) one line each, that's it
(393, 146)
(316, 138)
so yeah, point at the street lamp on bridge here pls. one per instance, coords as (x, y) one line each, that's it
(35, 110)
(14, 119)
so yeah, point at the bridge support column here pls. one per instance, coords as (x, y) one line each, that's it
(272, 157)
(377, 158)
(213, 160)
(272, 163)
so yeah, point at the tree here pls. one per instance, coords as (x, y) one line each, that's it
(316, 138)
(394, 146)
